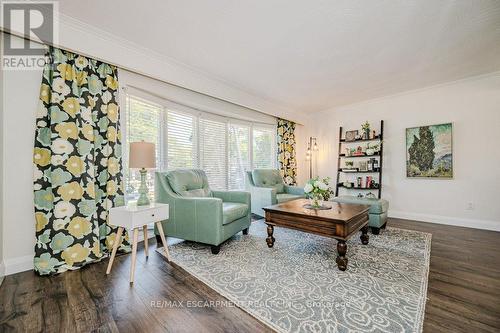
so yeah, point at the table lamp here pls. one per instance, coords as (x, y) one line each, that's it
(142, 156)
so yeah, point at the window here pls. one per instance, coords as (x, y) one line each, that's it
(264, 147)
(181, 141)
(143, 120)
(213, 151)
(186, 138)
(239, 155)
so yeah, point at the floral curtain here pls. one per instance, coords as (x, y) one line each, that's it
(77, 162)
(286, 151)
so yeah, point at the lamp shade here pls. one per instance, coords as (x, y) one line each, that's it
(142, 155)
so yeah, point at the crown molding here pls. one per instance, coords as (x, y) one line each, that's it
(90, 40)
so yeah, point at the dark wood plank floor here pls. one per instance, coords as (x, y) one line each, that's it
(463, 293)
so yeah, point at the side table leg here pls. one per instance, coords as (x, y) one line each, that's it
(162, 236)
(118, 238)
(364, 235)
(134, 254)
(270, 239)
(341, 258)
(145, 231)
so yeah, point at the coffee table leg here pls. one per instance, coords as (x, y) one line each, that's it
(270, 239)
(364, 235)
(341, 258)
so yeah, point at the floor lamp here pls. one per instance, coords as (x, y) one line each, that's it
(312, 146)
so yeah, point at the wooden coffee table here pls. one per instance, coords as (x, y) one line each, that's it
(340, 222)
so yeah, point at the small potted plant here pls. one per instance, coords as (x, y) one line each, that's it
(372, 148)
(366, 130)
(318, 190)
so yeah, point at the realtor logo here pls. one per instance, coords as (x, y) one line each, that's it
(35, 21)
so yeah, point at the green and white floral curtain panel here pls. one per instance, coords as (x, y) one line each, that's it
(77, 159)
(287, 163)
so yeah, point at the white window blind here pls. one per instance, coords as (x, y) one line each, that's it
(239, 155)
(213, 151)
(264, 147)
(181, 141)
(143, 120)
(225, 148)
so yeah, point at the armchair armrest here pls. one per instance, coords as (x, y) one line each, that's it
(266, 195)
(294, 190)
(233, 196)
(201, 216)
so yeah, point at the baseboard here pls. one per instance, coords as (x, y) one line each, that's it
(2, 272)
(18, 264)
(448, 220)
(25, 263)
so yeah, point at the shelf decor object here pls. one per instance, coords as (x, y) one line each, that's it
(142, 156)
(369, 160)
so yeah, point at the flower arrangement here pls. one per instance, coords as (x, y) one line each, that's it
(318, 190)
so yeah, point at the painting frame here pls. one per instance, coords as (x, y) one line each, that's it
(350, 136)
(442, 151)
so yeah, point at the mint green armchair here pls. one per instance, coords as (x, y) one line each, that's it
(267, 188)
(197, 213)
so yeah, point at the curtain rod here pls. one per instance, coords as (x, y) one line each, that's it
(13, 33)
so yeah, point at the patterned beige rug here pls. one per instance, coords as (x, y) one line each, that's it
(296, 286)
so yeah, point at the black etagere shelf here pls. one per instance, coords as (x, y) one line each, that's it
(379, 155)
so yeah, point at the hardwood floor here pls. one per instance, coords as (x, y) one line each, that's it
(463, 293)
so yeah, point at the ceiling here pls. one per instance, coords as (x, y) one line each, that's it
(311, 55)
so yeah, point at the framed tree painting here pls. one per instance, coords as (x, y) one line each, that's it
(429, 151)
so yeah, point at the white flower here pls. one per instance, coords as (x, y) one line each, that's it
(316, 183)
(41, 111)
(59, 224)
(106, 151)
(56, 98)
(61, 146)
(37, 174)
(60, 86)
(57, 159)
(86, 114)
(323, 186)
(308, 188)
(106, 97)
(104, 162)
(63, 209)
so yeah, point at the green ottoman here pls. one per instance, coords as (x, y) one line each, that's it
(377, 212)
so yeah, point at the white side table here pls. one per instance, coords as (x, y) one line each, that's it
(133, 218)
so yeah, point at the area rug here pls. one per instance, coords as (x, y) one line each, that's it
(296, 286)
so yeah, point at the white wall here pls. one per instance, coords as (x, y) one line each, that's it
(473, 106)
(20, 102)
(2, 273)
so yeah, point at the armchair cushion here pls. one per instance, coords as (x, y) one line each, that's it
(189, 183)
(270, 178)
(232, 211)
(283, 197)
(294, 190)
